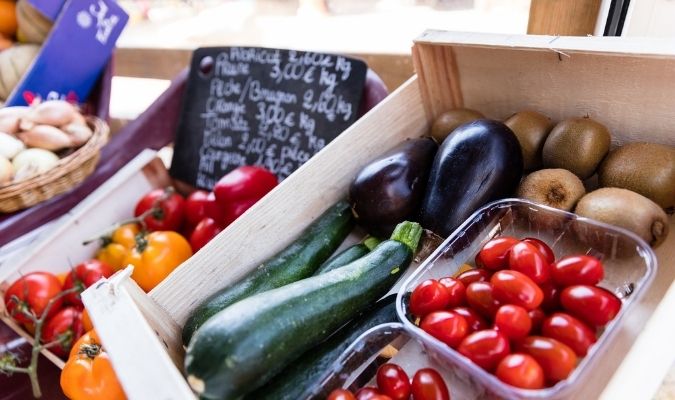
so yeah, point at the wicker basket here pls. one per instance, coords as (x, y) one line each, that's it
(70, 171)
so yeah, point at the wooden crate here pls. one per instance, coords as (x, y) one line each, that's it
(63, 247)
(625, 83)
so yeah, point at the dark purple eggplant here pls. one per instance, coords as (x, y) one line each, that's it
(478, 163)
(389, 190)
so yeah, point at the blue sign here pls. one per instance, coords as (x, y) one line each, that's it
(75, 53)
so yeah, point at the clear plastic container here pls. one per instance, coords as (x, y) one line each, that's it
(630, 266)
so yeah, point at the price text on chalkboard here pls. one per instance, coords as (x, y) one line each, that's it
(268, 107)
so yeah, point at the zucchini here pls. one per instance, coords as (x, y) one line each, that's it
(307, 371)
(245, 345)
(298, 261)
(350, 254)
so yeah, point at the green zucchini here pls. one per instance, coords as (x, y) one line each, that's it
(350, 254)
(298, 261)
(245, 345)
(308, 370)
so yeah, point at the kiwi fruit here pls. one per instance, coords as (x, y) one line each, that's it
(627, 209)
(450, 120)
(557, 188)
(577, 145)
(531, 129)
(645, 168)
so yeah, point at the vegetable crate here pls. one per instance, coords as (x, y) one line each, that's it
(142, 174)
(625, 83)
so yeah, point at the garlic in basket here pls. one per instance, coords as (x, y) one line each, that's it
(33, 161)
(9, 145)
(6, 170)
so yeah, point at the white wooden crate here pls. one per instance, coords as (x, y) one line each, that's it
(627, 84)
(62, 248)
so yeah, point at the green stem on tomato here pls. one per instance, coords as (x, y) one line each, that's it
(7, 363)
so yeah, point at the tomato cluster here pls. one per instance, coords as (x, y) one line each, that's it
(394, 384)
(27, 299)
(202, 215)
(520, 315)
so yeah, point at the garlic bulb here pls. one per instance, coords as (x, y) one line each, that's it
(10, 146)
(33, 161)
(46, 137)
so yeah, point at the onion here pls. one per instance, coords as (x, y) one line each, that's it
(33, 161)
(10, 146)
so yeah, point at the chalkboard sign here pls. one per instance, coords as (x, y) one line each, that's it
(257, 106)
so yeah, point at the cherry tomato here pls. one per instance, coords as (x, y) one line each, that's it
(556, 358)
(521, 370)
(195, 207)
(570, 331)
(473, 319)
(66, 327)
(474, 275)
(537, 316)
(446, 326)
(367, 393)
(456, 290)
(578, 270)
(485, 348)
(215, 211)
(593, 305)
(170, 213)
(427, 297)
(480, 296)
(32, 293)
(513, 287)
(542, 247)
(83, 276)
(393, 381)
(495, 253)
(341, 394)
(427, 384)
(551, 300)
(527, 259)
(205, 230)
(513, 321)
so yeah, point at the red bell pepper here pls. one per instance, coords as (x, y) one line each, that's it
(237, 191)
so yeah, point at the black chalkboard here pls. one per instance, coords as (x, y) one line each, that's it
(257, 106)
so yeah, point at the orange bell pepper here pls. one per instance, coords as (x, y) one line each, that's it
(88, 373)
(154, 255)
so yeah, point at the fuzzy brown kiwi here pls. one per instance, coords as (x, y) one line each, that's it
(531, 129)
(557, 188)
(449, 120)
(627, 209)
(645, 168)
(577, 145)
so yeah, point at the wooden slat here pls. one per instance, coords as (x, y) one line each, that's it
(280, 216)
(144, 368)
(631, 94)
(563, 17)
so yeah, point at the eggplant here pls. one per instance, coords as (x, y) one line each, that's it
(477, 163)
(390, 189)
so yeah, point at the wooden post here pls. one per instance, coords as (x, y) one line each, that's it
(563, 17)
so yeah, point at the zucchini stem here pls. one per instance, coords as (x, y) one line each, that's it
(371, 242)
(408, 233)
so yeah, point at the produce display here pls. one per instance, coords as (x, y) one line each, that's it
(527, 318)
(33, 139)
(50, 307)
(223, 357)
(393, 383)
